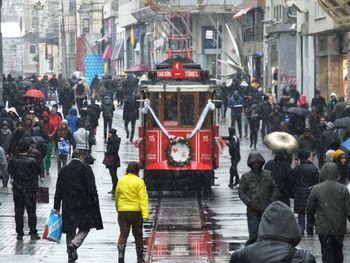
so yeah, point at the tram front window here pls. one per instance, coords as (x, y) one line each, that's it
(187, 109)
(170, 107)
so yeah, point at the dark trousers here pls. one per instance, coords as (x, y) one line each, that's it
(28, 202)
(80, 102)
(264, 128)
(239, 122)
(234, 173)
(107, 123)
(126, 125)
(301, 222)
(253, 218)
(114, 177)
(75, 238)
(331, 248)
(61, 161)
(127, 220)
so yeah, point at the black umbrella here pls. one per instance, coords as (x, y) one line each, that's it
(298, 111)
(342, 122)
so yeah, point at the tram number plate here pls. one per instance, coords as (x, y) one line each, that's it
(172, 123)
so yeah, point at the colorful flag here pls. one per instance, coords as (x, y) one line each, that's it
(132, 37)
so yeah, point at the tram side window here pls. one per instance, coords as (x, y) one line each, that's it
(170, 107)
(187, 109)
(203, 100)
(154, 98)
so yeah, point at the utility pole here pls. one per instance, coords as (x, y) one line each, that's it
(1, 62)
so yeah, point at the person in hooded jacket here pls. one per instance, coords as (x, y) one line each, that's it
(234, 149)
(72, 119)
(257, 189)
(63, 133)
(5, 136)
(276, 242)
(236, 104)
(305, 176)
(130, 112)
(107, 109)
(66, 98)
(275, 119)
(327, 209)
(281, 171)
(113, 144)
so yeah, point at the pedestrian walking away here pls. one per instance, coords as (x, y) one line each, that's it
(111, 159)
(131, 202)
(24, 174)
(76, 194)
(107, 109)
(327, 209)
(234, 150)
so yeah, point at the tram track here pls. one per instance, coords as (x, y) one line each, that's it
(180, 232)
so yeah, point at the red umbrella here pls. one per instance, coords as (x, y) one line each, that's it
(139, 68)
(35, 93)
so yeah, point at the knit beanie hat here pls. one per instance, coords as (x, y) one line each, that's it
(337, 154)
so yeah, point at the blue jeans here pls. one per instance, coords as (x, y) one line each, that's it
(301, 222)
(253, 218)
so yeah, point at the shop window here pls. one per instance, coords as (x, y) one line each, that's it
(187, 109)
(32, 49)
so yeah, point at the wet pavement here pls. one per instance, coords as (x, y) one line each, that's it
(188, 230)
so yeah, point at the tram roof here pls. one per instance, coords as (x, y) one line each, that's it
(179, 87)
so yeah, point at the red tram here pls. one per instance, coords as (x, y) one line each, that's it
(178, 133)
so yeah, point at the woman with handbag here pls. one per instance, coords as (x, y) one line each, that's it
(111, 159)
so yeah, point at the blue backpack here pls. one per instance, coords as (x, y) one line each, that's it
(63, 148)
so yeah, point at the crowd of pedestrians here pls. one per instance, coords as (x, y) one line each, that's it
(61, 124)
(315, 177)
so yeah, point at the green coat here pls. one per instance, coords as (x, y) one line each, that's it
(328, 205)
(257, 191)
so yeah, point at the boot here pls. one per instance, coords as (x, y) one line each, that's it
(236, 181)
(121, 253)
(139, 253)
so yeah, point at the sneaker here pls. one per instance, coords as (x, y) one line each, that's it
(35, 237)
(231, 186)
(19, 237)
(72, 252)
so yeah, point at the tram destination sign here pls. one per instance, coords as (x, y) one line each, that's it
(178, 72)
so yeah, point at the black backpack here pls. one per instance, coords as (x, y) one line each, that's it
(80, 89)
(234, 148)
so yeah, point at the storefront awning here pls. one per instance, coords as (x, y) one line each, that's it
(117, 50)
(242, 12)
(107, 54)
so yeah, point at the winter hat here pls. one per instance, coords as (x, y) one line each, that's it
(333, 94)
(64, 122)
(337, 154)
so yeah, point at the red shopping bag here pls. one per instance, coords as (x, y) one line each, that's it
(46, 230)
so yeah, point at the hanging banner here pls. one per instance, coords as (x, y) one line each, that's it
(210, 106)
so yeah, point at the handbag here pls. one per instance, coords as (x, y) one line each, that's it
(43, 195)
(54, 227)
(63, 148)
(108, 160)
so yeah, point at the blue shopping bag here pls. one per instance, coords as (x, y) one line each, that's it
(54, 227)
(63, 148)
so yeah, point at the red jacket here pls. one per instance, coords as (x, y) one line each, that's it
(51, 125)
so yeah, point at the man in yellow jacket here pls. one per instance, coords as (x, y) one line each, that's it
(131, 202)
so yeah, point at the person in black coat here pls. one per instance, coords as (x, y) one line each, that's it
(24, 172)
(112, 154)
(305, 176)
(130, 112)
(278, 236)
(66, 98)
(281, 171)
(77, 194)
